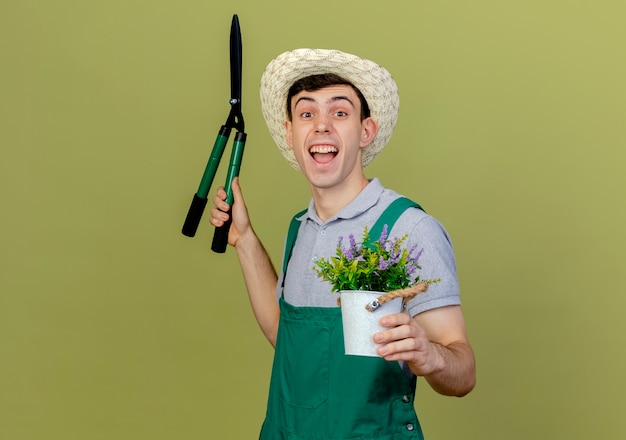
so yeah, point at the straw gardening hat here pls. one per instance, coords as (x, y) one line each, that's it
(375, 83)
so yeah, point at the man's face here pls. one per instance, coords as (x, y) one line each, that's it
(326, 134)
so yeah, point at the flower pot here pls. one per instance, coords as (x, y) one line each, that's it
(359, 324)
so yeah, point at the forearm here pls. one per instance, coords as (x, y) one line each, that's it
(260, 278)
(456, 374)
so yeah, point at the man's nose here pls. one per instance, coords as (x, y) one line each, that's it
(322, 124)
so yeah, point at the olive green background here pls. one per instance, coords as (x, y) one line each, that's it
(115, 326)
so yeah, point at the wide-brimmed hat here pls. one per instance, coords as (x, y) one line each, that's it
(374, 81)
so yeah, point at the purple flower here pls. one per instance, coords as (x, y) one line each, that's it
(347, 253)
(350, 252)
(395, 257)
(414, 259)
(382, 264)
(353, 245)
(383, 236)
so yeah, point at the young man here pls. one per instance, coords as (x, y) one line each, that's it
(331, 113)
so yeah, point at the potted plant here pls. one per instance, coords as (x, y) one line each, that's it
(371, 275)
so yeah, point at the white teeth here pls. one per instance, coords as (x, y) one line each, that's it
(322, 149)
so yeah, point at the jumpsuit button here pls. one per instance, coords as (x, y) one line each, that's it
(323, 232)
(410, 427)
(406, 399)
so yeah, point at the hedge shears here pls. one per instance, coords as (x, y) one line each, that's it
(234, 120)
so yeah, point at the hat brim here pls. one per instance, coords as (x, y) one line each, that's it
(374, 81)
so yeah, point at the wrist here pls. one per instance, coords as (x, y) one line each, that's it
(247, 243)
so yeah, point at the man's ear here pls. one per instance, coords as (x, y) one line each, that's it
(288, 133)
(369, 128)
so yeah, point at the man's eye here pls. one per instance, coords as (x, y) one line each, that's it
(341, 113)
(306, 114)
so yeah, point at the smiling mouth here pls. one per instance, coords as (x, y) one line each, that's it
(323, 153)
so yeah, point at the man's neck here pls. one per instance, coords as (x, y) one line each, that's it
(329, 201)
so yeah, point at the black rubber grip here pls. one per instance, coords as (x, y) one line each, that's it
(220, 236)
(194, 215)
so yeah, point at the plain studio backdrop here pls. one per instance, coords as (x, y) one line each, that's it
(113, 325)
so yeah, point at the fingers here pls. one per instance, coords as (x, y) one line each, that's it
(395, 320)
(401, 345)
(405, 349)
(220, 199)
(397, 333)
(403, 340)
(219, 212)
